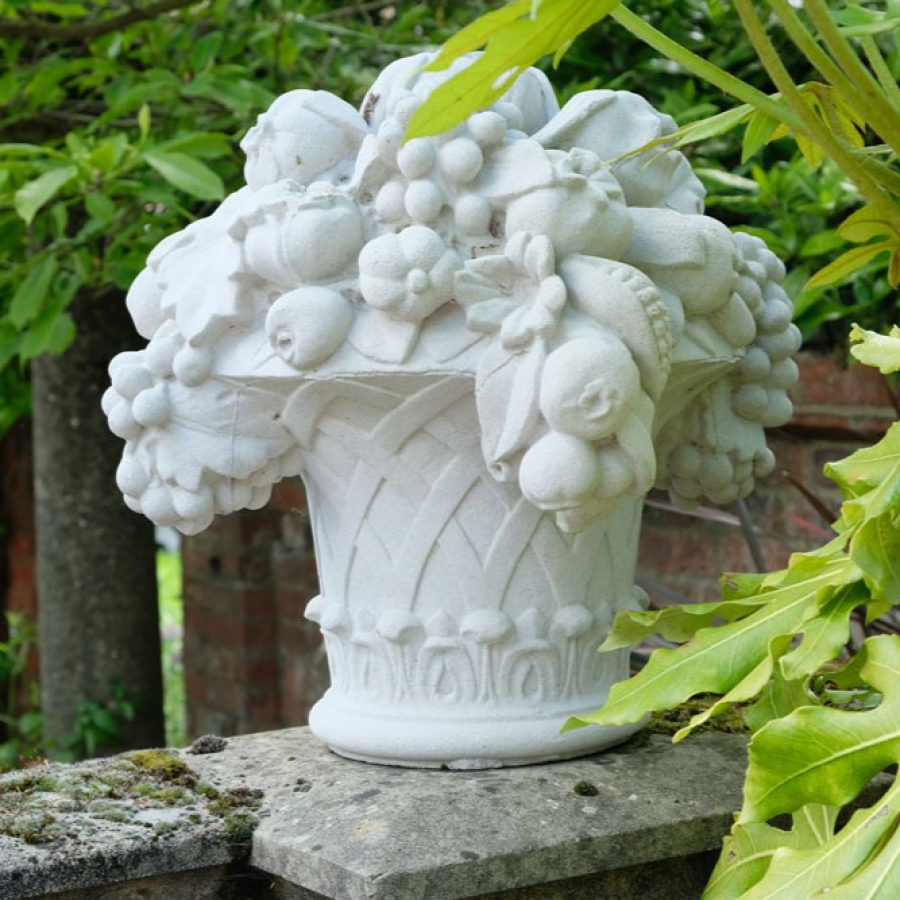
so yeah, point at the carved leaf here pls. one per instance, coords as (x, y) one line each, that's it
(506, 393)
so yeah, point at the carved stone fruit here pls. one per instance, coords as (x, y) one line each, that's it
(307, 325)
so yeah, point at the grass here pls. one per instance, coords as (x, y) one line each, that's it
(171, 620)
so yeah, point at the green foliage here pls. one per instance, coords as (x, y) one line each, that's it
(171, 620)
(823, 726)
(22, 726)
(796, 209)
(98, 725)
(119, 124)
(513, 35)
(839, 102)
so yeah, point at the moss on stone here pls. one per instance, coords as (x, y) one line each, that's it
(227, 802)
(585, 789)
(670, 721)
(240, 825)
(165, 765)
(111, 810)
(32, 829)
(205, 789)
(48, 804)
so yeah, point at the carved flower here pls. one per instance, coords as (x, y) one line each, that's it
(517, 292)
(407, 275)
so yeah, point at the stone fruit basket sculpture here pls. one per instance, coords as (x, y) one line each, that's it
(480, 351)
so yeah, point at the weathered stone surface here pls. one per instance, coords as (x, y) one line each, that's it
(642, 821)
(350, 830)
(99, 823)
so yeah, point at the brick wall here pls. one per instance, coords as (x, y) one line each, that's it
(17, 567)
(837, 409)
(252, 662)
(18, 588)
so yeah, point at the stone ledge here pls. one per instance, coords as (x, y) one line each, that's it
(642, 820)
(102, 822)
(351, 830)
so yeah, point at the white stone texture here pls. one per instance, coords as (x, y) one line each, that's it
(480, 350)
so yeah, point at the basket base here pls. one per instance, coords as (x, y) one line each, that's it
(417, 738)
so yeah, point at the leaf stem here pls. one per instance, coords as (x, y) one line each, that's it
(821, 61)
(856, 167)
(880, 68)
(708, 71)
(882, 116)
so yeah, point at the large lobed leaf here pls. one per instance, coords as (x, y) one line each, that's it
(717, 659)
(765, 863)
(748, 851)
(827, 755)
(515, 38)
(881, 351)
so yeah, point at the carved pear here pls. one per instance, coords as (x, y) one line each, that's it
(306, 326)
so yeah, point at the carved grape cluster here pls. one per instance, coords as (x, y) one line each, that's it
(432, 178)
(766, 372)
(178, 470)
(709, 462)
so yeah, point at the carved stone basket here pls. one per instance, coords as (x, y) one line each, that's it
(461, 623)
(480, 351)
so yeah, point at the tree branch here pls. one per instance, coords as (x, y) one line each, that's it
(351, 10)
(86, 30)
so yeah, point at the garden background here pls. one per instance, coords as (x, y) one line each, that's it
(119, 124)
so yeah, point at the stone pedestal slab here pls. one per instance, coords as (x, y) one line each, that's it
(643, 820)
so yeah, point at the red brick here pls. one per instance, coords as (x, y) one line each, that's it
(298, 639)
(261, 633)
(799, 523)
(863, 425)
(291, 602)
(675, 553)
(677, 590)
(263, 671)
(823, 454)
(263, 710)
(255, 528)
(216, 662)
(203, 720)
(22, 598)
(791, 457)
(289, 496)
(21, 544)
(289, 569)
(22, 571)
(226, 695)
(195, 685)
(736, 555)
(255, 568)
(259, 601)
(227, 598)
(227, 631)
(825, 381)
